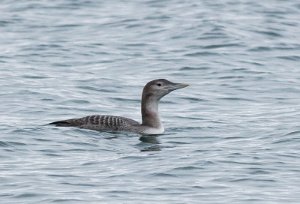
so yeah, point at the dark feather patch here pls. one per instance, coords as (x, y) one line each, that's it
(61, 123)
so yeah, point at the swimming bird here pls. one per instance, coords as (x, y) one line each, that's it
(151, 124)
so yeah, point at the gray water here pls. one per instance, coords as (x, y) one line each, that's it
(231, 137)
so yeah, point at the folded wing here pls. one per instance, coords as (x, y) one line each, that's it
(100, 122)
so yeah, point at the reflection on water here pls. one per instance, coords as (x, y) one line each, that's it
(150, 139)
(149, 143)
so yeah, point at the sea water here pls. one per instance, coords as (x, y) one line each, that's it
(232, 136)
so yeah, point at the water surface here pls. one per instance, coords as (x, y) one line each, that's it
(231, 137)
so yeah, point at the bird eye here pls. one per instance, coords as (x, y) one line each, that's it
(158, 84)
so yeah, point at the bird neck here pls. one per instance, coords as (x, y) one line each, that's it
(150, 115)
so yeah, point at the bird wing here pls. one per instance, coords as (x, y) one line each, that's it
(99, 122)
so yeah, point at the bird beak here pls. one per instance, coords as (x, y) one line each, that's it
(175, 86)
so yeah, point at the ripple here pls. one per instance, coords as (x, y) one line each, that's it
(235, 128)
(164, 175)
(236, 99)
(253, 180)
(269, 33)
(67, 200)
(27, 195)
(291, 58)
(221, 46)
(4, 144)
(297, 132)
(204, 53)
(193, 68)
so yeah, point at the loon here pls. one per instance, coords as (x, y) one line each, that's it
(151, 125)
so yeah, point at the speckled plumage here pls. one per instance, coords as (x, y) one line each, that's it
(100, 122)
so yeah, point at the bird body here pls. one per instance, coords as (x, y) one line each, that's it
(151, 123)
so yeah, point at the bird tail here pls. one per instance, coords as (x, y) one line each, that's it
(62, 123)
